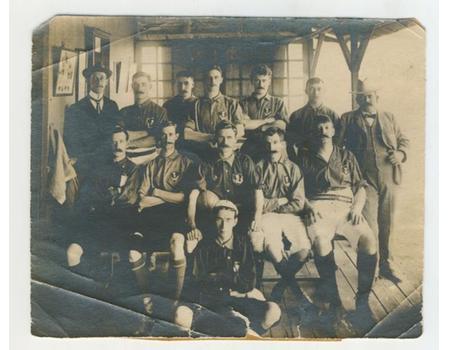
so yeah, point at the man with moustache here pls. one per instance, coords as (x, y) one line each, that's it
(165, 185)
(144, 117)
(210, 110)
(380, 147)
(225, 174)
(223, 281)
(335, 191)
(301, 123)
(181, 107)
(89, 122)
(263, 111)
(105, 207)
(282, 237)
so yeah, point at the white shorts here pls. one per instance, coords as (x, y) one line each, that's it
(274, 225)
(335, 220)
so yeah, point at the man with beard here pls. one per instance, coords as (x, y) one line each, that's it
(89, 122)
(161, 204)
(282, 237)
(210, 110)
(144, 117)
(223, 281)
(336, 195)
(263, 111)
(105, 208)
(300, 129)
(380, 147)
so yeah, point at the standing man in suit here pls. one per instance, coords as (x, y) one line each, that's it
(301, 129)
(144, 118)
(380, 147)
(89, 123)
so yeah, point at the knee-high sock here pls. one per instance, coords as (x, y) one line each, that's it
(294, 265)
(178, 273)
(366, 265)
(287, 270)
(259, 262)
(326, 265)
(142, 274)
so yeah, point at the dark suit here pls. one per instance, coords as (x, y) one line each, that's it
(372, 144)
(87, 134)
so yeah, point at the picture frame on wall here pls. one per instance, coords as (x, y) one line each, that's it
(65, 71)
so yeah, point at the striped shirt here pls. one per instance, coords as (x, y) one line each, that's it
(265, 107)
(210, 111)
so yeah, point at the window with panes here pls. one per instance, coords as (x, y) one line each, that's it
(236, 59)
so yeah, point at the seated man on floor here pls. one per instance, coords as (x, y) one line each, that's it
(105, 208)
(336, 197)
(283, 236)
(223, 280)
(161, 202)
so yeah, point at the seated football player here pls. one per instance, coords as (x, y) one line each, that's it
(223, 281)
(161, 200)
(282, 237)
(224, 174)
(335, 200)
(105, 207)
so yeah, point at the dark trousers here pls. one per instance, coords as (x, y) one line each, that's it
(379, 211)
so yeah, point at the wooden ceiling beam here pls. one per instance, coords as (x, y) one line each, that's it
(224, 35)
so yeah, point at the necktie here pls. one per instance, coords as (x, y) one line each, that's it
(97, 105)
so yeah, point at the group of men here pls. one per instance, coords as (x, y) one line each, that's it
(233, 183)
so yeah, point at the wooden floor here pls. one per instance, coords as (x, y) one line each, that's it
(395, 308)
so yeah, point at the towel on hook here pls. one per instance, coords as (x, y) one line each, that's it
(61, 168)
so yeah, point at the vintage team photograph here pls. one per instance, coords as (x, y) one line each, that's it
(227, 177)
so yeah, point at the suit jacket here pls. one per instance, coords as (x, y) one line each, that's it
(353, 137)
(87, 134)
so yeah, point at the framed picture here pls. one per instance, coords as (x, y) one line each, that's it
(65, 72)
(81, 83)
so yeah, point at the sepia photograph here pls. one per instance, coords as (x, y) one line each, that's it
(227, 177)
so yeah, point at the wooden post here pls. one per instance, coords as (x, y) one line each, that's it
(312, 54)
(355, 54)
(307, 54)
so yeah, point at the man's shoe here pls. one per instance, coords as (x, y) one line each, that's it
(278, 291)
(361, 319)
(388, 273)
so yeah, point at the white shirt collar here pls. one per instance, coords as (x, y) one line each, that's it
(95, 96)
